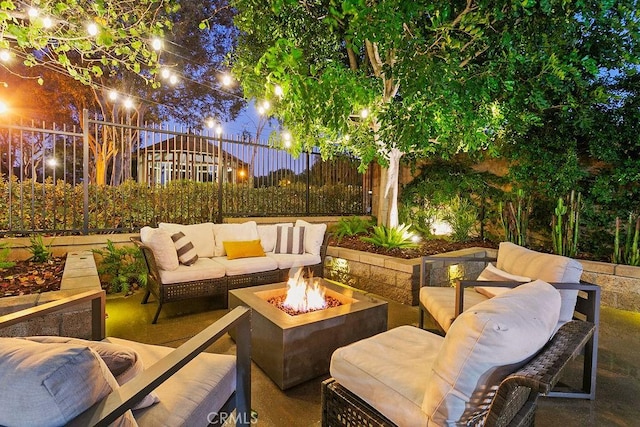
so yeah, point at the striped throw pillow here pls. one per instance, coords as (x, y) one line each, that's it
(187, 254)
(289, 240)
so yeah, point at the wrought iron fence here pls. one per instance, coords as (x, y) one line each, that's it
(110, 177)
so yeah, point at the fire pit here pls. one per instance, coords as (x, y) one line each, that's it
(292, 349)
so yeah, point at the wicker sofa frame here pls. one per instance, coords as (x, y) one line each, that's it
(165, 293)
(513, 403)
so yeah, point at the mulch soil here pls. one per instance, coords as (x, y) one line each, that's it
(28, 277)
(425, 248)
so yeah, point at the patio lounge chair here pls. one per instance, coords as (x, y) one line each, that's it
(488, 370)
(47, 381)
(516, 265)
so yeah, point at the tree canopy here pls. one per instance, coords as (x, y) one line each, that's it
(388, 78)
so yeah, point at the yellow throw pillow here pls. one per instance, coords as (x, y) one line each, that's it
(243, 249)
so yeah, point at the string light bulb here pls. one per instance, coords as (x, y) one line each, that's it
(3, 107)
(92, 29)
(261, 110)
(113, 95)
(156, 44)
(226, 79)
(165, 73)
(173, 79)
(219, 129)
(277, 90)
(33, 12)
(210, 123)
(4, 55)
(286, 137)
(128, 103)
(364, 113)
(266, 105)
(47, 22)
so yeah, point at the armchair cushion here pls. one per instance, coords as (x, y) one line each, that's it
(493, 274)
(439, 302)
(484, 345)
(193, 395)
(43, 385)
(548, 267)
(389, 371)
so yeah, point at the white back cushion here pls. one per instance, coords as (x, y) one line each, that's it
(201, 235)
(486, 343)
(160, 243)
(267, 234)
(493, 274)
(551, 268)
(314, 236)
(233, 233)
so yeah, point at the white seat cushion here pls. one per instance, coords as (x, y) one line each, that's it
(202, 269)
(193, 394)
(201, 235)
(293, 260)
(389, 371)
(551, 268)
(239, 266)
(493, 274)
(484, 345)
(440, 302)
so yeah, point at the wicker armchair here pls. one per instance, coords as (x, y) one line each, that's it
(513, 403)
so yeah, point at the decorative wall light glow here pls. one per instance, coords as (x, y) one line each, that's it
(277, 90)
(156, 44)
(364, 113)
(128, 103)
(3, 107)
(113, 95)
(33, 12)
(415, 238)
(226, 80)
(4, 55)
(441, 228)
(92, 29)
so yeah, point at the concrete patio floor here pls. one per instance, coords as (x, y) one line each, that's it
(618, 381)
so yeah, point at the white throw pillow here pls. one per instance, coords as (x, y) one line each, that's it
(484, 345)
(164, 251)
(492, 274)
(289, 240)
(314, 236)
(267, 234)
(233, 233)
(51, 384)
(201, 235)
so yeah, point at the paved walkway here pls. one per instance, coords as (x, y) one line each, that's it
(618, 383)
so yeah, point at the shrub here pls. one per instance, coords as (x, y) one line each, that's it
(121, 267)
(392, 237)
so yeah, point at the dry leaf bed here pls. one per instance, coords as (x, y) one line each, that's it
(28, 277)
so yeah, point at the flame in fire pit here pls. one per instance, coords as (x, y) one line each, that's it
(304, 295)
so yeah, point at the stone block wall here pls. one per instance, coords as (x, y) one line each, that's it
(620, 283)
(80, 275)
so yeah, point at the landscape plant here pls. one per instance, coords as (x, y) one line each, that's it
(4, 254)
(399, 237)
(565, 225)
(515, 218)
(462, 216)
(120, 267)
(351, 226)
(629, 252)
(38, 250)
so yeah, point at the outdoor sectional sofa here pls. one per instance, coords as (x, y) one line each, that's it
(262, 254)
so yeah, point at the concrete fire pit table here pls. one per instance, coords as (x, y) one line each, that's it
(294, 349)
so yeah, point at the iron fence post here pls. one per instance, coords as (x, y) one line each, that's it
(308, 185)
(85, 171)
(220, 180)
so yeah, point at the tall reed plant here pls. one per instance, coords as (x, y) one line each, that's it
(628, 253)
(565, 225)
